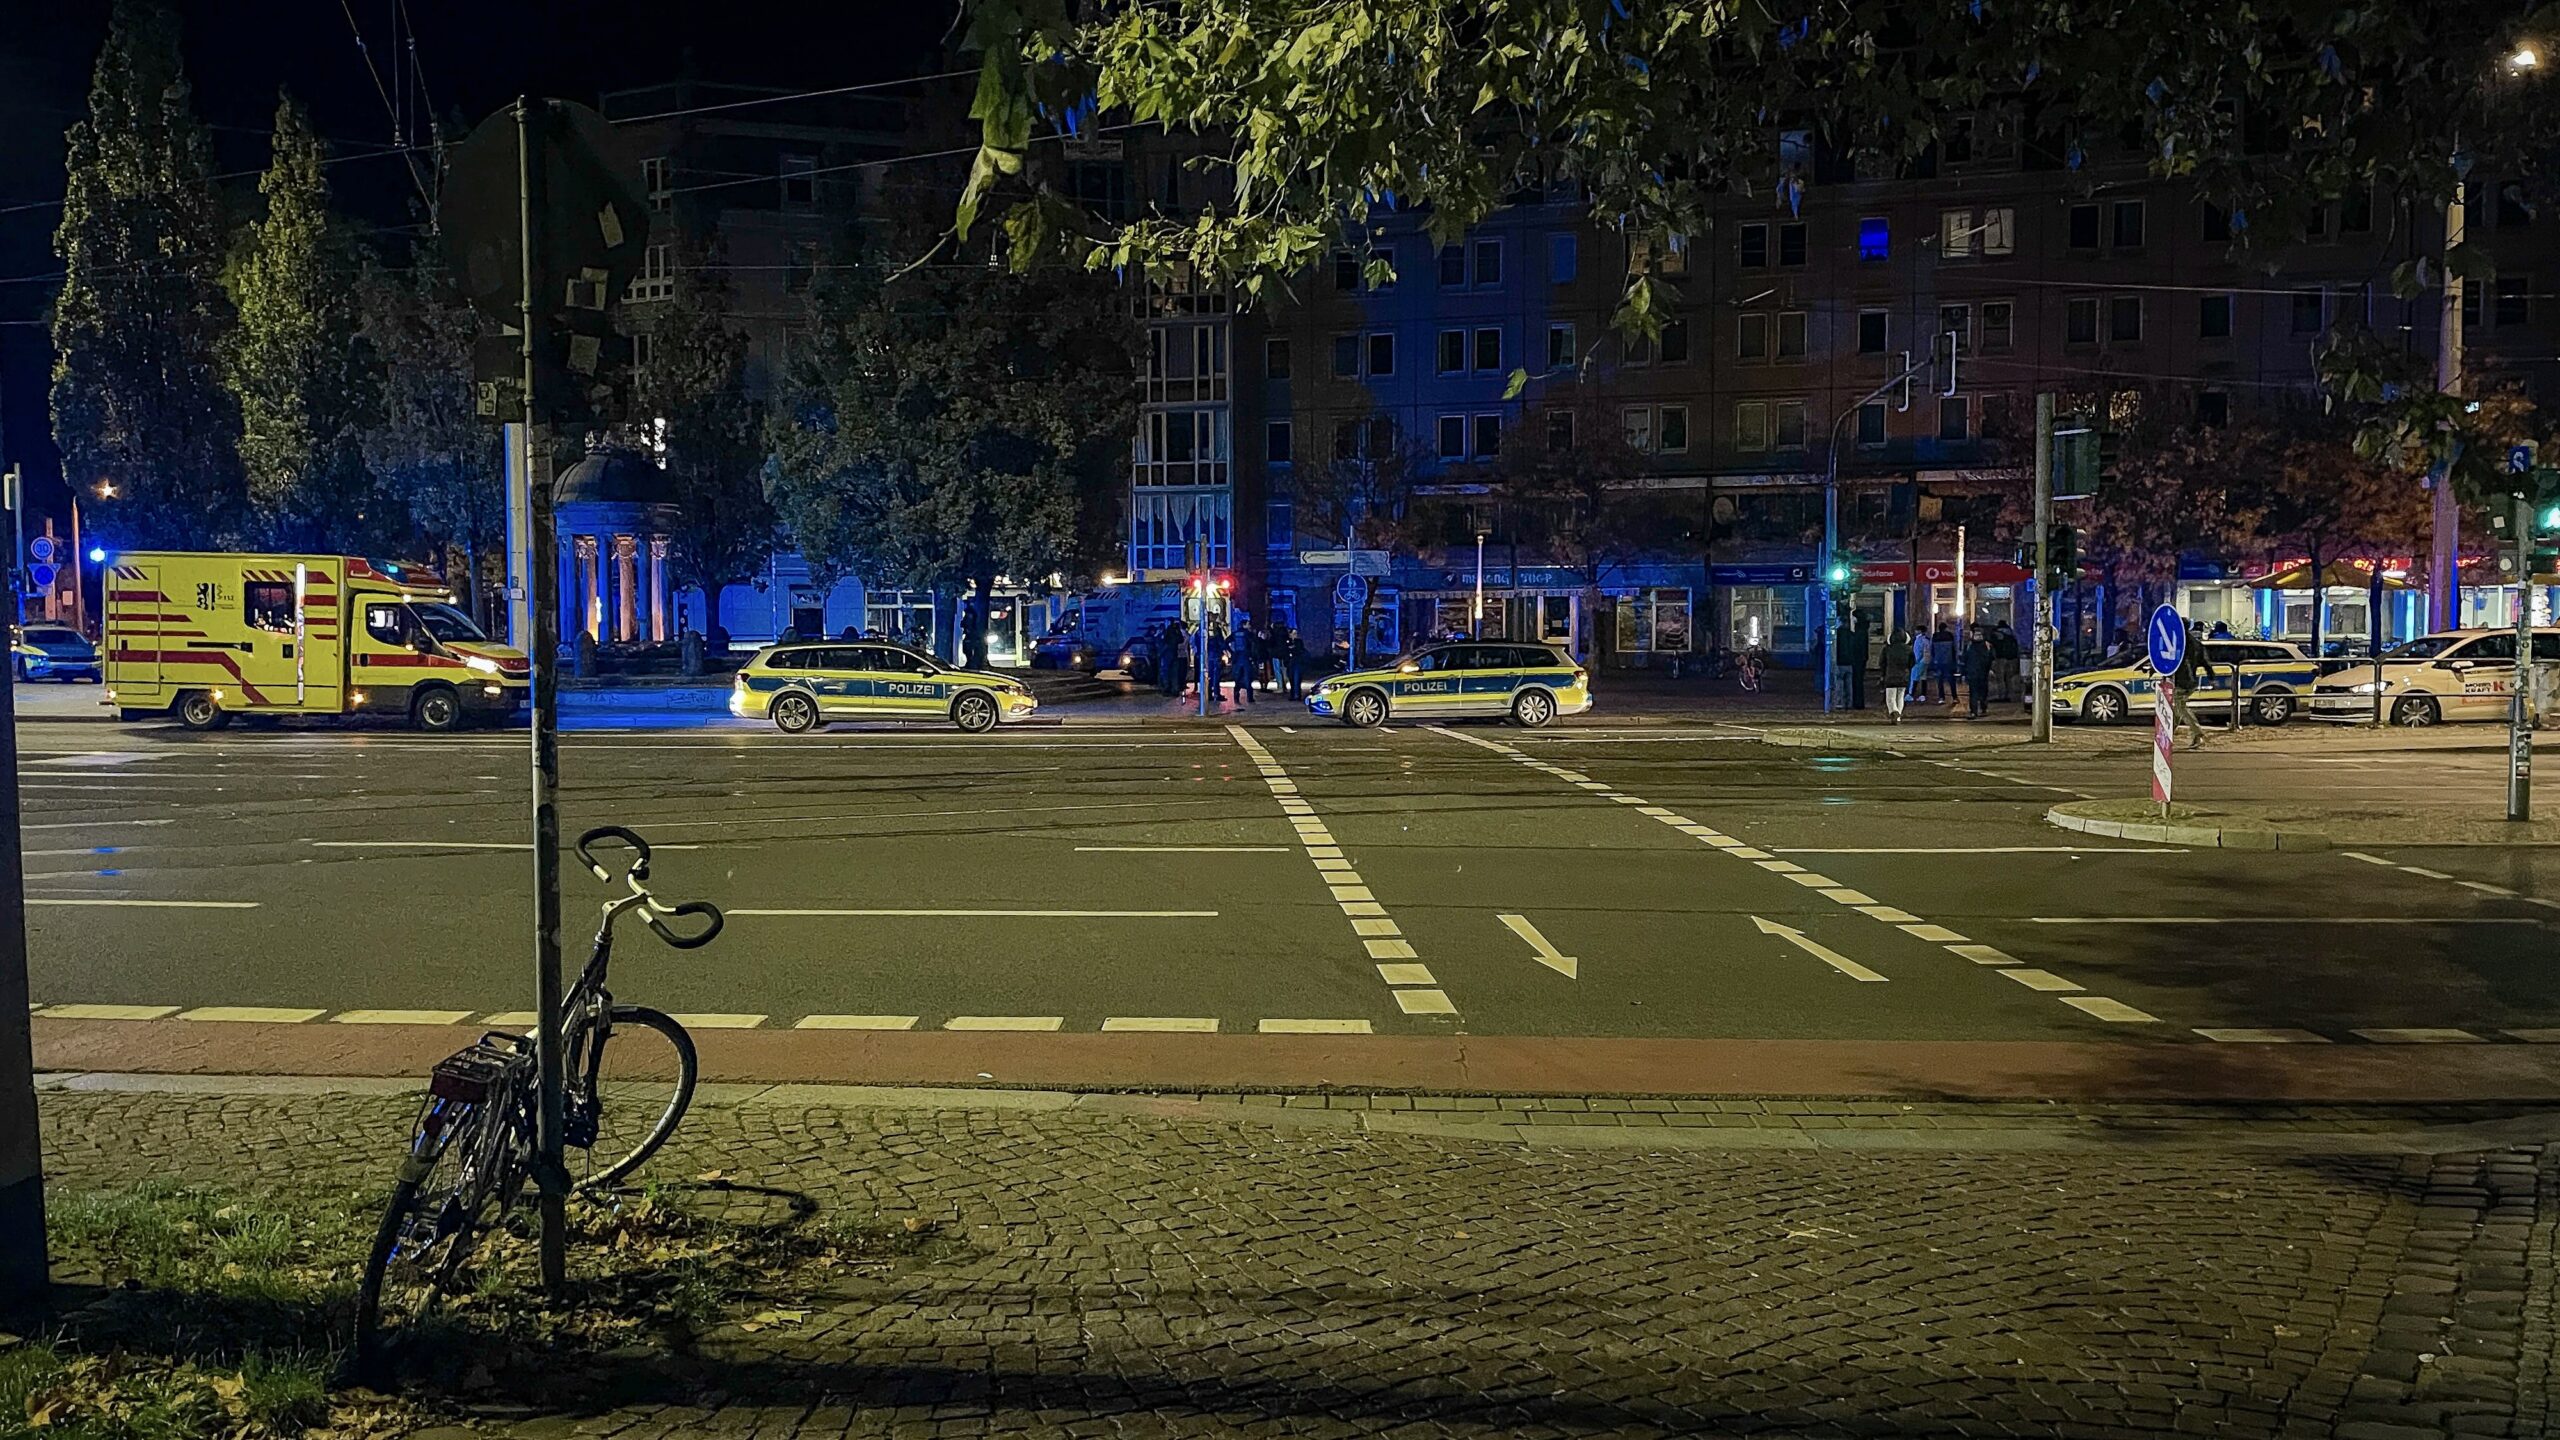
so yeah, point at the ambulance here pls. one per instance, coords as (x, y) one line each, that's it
(206, 637)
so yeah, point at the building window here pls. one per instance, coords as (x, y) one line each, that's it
(1792, 327)
(1871, 423)
(1791, 245)
(2128, 217)
(1787, 424)
(1755, 246)
(1636, 349)
(1656, 253)
(2471, 307)
(2307, 308)
(1751, 337)
(2124, 318)
(1674, 435)
(1453, 437)
(1559, 430)
(1957, 320)
(653, 175)
(799, 181)
(1637, 420)
(1998, 421)
(2213, 408)
(2080, 320)
(2512, 300)
(1751, 427)
(1872, 329)
(1382, 353)
(1999, 231)
(1163, 527)
(1489, 348)
(2213, 317)
(1953, 421)
(1561, 349)
(1998, 326)
(1346, 270)
(1346, 439)
(1453, 352)
(2513, 211)
(1279, 531)
(1766, 617)
(1346, 357)
(1564, 258)
(2213, 224)
(1453, 267)
(1488, 436)
(2084, 227)
(2315, 225)
(1275, 358)
(1955, 234)
(799, 263)
(657, 277)
(644, 353)
(1875, 239)
(1675, 342)
(1488, 263)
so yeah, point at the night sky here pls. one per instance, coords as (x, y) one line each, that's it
(475, 55)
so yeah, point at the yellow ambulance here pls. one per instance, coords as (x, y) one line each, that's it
(206, 637)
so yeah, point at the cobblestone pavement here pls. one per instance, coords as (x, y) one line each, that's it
(1170, 1268)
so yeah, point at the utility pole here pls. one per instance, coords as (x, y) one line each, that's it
(2444, 568)
(2040, 723)
(2519, 709)
(24, 1268)
(539, 568)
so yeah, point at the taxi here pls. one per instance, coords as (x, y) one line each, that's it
(801, 685)
(2449, 675)
(2276, 679)
(1531, 684)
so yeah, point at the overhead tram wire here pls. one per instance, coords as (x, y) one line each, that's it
(399, 136)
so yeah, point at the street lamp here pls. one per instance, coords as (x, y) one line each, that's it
(1476, 631)
(2525, 57)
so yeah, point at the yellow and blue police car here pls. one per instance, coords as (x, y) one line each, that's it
(802, 685)
(2275, 680)
(1531, 684)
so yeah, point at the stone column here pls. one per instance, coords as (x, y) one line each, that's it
(661, 591)
(591, 551)
(626, 580)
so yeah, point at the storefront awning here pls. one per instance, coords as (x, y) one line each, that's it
(2336, 575)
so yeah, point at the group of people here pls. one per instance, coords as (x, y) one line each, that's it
(1926, 667)
(1242, 656)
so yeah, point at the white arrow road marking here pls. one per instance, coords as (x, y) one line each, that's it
(1825, 954)
(1546, 952)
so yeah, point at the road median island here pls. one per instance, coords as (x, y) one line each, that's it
(2293, 827)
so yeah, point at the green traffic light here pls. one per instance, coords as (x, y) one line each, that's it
(1839, 574)
(2548, 519)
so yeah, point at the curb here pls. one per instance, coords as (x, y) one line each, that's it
(2207, 837)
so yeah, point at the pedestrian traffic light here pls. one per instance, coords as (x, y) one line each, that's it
(1838, 573)
(2543, 494)
(2062, 550)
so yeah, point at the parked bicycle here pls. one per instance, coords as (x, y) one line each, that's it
(1753, 668)
(630, 1074)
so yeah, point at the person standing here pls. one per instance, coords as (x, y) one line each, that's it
(1241, 653)
(1978, 660)
(1290, 656)
(1898, 673)
(1853, 654)
(2182, 683)
(1942, 664)
(1171, 646)
(2004, 662)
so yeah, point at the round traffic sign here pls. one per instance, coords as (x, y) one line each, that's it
(39, 576)
(2168, 636)
(41, 548)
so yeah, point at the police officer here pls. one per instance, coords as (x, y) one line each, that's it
(1240, 649)
(1170, 649)
(1292, 654)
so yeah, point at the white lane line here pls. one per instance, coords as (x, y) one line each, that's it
(1163, 1024)
(399, 1017)
(1406, 974)
(2115, 1011)
(2419, 1035)
(1424, 1002)
(1984, 954)
(2035, 979)
(509, 1020)
(855, 1022)
(2485, 888)
(155, 904)
(2244, 1035)
(1934, 934)
(985, 914)
(1182, 849)
(1389, 949)
(1314, 1027)
(2430, 874)
(718, 1022)
(252, 1014)
(2535, 1037)
(1004, 1022)
(1857, 899)
(90, 824)
(1991, 850)
(1889, 915)
(2370, 859)
(2282, 920)
(107, 1012)
(1811, 881)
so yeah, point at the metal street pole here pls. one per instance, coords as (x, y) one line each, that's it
(2519, 718)
(1831, 506)
(2444, 568)
(2040, 723)
(538, 567)
(24, 1268)
(16, 499)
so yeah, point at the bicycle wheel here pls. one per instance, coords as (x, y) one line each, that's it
(423, 1246)
(632, 1087)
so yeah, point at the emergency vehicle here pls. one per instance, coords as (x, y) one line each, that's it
(1532, 684)
(205, 637)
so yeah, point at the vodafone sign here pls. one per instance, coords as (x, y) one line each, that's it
(1942, 572)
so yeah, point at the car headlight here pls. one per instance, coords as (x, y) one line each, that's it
(2369, 687)
(481, 663)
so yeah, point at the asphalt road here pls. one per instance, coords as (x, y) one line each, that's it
(1472, 880)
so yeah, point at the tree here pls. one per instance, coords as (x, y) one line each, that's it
(946, 419)
(424, 440)
(2320, 496)
(298, 383)
(693, 396)
(2181, 489)
(1369, 495)
(1329, 115)
(1573, 494)
(139, 325)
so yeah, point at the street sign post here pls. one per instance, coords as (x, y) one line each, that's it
(2168, 637)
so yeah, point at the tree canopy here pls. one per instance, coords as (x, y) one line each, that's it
(692, 398)
(423, 439)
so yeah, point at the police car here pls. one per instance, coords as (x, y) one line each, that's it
(2450, 675)
(801, 686)
(2276, 679)
(1531, 684)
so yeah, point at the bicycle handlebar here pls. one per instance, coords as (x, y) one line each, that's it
(640, 864)
(690, 907)
(651, 909)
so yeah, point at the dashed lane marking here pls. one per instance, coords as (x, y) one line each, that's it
(2246, 1036)
(1984, 954)
(1163, 1024)
(2035, 979)
(1992, 850)
(107, 1012)
(251, 1014)
(2534, 1037)
(1004, 1022)
(2113, 1011)
(856, 1022)
(149, 904)
(2419, 1035)
(737, 911)
(1182, 849)
(1424, 1002)
(719, 1022)
(2283, 920)
(1314, 1027)
(399, 1017)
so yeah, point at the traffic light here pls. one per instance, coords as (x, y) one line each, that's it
(2110, 453)
(2062, 550)
(2542, 494)
(1838, 573)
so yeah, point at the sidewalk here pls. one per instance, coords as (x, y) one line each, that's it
(883, 1263)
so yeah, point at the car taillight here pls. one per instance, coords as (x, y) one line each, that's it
(1580, 675)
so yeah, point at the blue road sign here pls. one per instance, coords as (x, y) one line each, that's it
(2168, 639)
(2520, 459)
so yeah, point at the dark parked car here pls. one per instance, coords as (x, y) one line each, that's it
(1070, 651)
(56, 652)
